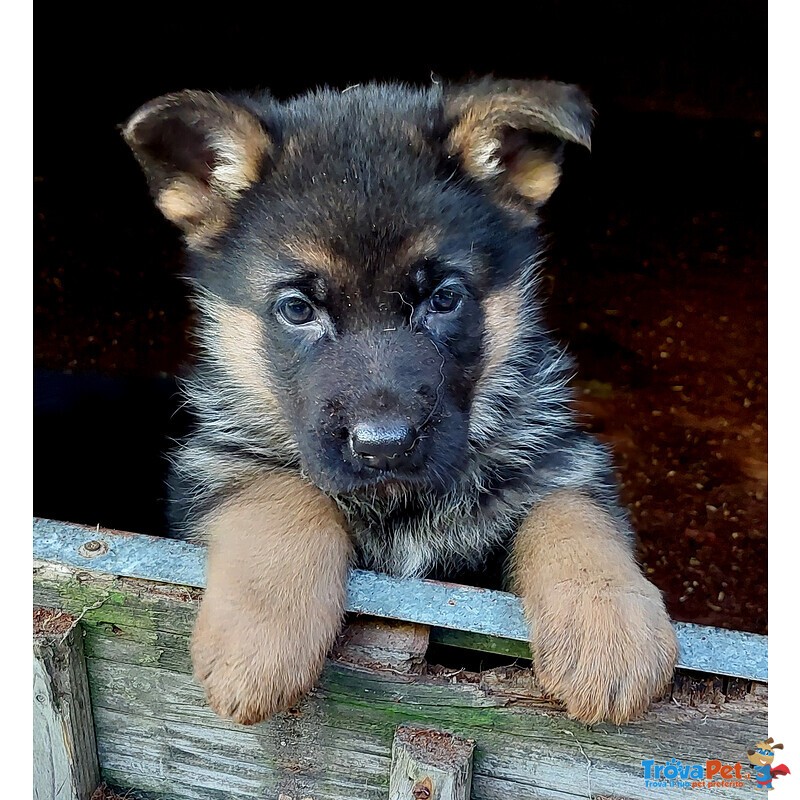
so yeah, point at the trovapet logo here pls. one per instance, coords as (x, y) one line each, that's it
(715, 774)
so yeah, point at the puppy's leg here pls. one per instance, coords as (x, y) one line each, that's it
(601, 639)
(278, 554)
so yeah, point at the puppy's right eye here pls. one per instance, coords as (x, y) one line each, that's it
(445, 300)
(296, 311)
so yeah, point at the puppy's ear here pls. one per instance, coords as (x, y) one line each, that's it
(511, 134)
(199, 152)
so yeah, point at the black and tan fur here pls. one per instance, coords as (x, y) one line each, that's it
(364, 262)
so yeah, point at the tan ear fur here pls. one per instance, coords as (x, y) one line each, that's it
(511, 133)
(199, 152)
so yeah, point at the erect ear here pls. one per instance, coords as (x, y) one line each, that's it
(199, 152)
(511, 134)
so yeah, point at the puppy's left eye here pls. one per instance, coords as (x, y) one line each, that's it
(296, 310)
(445, 300)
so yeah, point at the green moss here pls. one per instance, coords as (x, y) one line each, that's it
(98, 606)
(481, 642)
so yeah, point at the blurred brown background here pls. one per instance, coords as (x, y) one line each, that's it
(657, 272)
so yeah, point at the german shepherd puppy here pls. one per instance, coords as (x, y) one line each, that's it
(375, 386)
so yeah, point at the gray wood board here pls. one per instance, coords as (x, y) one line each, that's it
(64, 751)
(427, 763)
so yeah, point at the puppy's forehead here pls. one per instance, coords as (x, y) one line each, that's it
(370, 154)
(361, 266)
(361, 193)
(363, 250)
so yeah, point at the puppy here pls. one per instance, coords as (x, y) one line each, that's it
(375, 386)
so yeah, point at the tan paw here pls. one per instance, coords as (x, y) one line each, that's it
(248, 672)
(604, 651)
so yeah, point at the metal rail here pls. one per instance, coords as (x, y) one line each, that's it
(464, 608)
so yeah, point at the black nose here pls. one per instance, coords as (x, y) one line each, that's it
(383, 443)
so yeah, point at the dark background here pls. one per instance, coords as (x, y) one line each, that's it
(657, 271)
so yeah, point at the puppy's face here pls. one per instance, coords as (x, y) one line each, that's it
(363, 258)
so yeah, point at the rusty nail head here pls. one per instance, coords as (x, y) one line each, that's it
(93, 548)
(422, 789)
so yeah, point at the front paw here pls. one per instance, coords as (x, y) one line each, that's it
(604, 651)
(249, 668)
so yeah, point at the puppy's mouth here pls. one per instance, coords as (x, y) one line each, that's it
(370, 482)
(388, 482)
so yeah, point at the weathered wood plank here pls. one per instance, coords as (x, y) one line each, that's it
(64, 751)
(430, 765)
(383, 644)
(156, 733)
(336, 744)
(182, 759)
(462, 608)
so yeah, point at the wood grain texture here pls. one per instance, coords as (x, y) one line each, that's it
(155, 732)
(428, 764)
(64, 752)
(383, 644)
